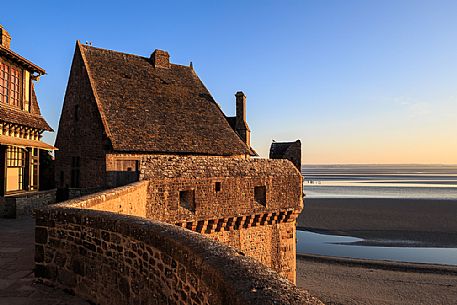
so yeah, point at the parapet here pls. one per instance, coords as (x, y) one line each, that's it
(110, 258)
(183, 189)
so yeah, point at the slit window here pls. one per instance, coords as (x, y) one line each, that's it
(76, 114)
(260, 195)
(62, 177)
(75, 171)
(217, 186)
(187, 199)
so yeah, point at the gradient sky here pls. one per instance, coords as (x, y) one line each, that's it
(357, 81)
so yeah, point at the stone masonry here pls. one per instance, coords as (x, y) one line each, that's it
(231, 214)
(110, 258)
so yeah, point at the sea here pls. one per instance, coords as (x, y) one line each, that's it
(377, 181)
(380, 181)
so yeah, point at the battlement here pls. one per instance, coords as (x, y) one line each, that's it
(250, 204)
(88, 247)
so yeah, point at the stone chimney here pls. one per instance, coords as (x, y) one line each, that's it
(241, 126)
(5, 38)
(160, 59)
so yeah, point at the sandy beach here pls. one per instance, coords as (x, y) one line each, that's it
(381, 221)
(350, 281)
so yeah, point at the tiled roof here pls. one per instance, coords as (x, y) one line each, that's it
(21, 60)
(33, 118)
(157, 109)
(279, 149)
(232, 122)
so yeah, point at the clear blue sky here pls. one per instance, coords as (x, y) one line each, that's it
(357, 81)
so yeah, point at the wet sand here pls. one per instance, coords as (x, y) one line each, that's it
(384, 221)
(394, 222)
(351, 281)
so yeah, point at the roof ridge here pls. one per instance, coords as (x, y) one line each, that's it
(128, 54)
(109, 50)
(22, 59)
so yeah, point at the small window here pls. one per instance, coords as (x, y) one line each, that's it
(260, 195)
(76, 112)
(75, 172)
(187, 199)
(62, 179)
(217, 187)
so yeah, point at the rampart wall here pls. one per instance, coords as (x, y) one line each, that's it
(110, 258)
(248, 204)
(227, 205)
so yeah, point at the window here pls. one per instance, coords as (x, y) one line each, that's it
(14, 87)
(34, 166)
(260, 195)
(187, 199)
(16, 169)
(76, 113)
(62, 179)
(4, 71)
(75, 163)
(217, 187)
(10, 85)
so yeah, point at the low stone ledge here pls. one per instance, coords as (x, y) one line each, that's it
(23, 204)
(118, 259)
(94, 199)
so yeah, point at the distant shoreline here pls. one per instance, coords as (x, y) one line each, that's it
(380, 264)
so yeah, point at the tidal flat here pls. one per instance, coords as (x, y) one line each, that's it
(380, 222)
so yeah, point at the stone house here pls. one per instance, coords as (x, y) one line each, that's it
(119, 107)
(21, 126)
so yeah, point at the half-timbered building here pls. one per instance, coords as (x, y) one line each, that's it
(21, 126)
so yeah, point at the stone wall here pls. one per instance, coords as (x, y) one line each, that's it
(127, 200)
(24, 204)
(110, 258)
(225, 206)
(238, 178)
(81, 139)
(122, 169)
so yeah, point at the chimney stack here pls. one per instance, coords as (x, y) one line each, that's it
(241, 126)
(5, 38)
(160, 59)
